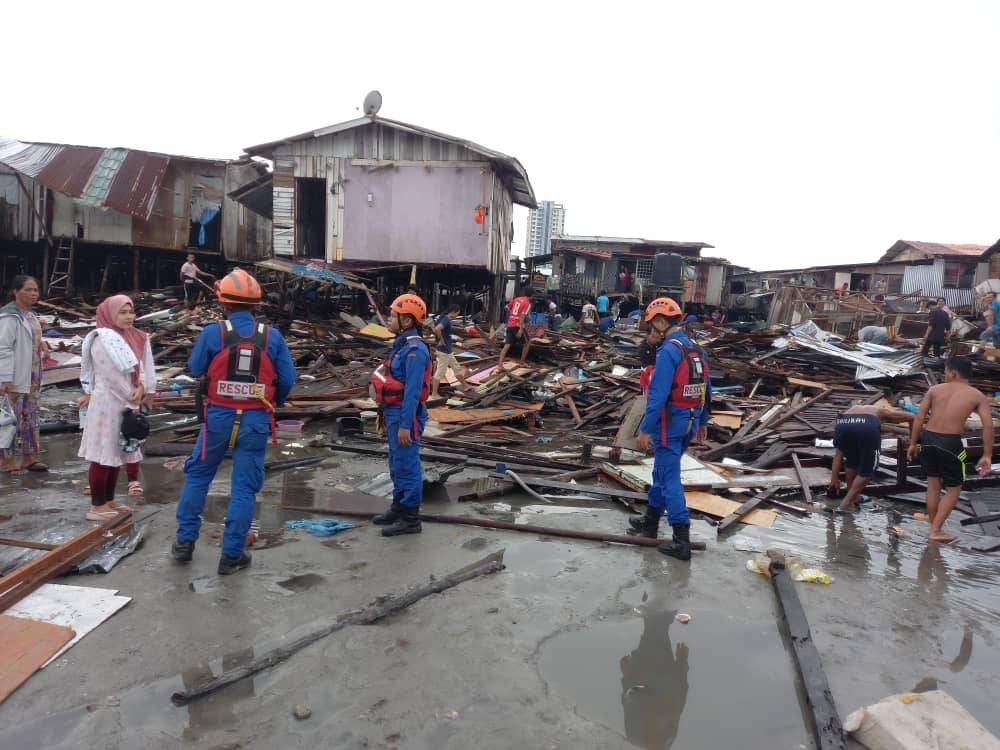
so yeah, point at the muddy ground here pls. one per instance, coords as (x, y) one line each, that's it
(574, 645)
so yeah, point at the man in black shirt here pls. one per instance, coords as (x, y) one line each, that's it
(938, 325)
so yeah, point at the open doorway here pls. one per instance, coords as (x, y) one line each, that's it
(310, 217)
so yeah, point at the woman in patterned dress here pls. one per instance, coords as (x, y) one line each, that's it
(21, 353)
(116, 372)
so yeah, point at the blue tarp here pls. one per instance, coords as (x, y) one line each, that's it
(319, 273)
(321, 527)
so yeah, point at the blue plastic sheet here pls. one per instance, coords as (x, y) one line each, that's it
(321, 527)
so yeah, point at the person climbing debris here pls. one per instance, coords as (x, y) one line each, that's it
(940, 445)
(858, 442)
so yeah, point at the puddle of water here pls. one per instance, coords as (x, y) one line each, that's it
(661, 684)
(302, 582)
(145, 711)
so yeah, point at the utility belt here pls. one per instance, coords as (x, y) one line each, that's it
(203, 400)
(665, 421)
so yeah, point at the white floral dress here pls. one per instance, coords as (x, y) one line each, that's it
(109, 392)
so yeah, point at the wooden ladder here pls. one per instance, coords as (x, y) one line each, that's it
(61, 278)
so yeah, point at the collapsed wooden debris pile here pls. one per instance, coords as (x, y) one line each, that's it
(571, 412)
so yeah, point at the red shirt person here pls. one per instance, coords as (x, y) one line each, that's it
(517, 311)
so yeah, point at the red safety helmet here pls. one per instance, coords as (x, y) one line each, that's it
(410, 304)
(662, 306)
(238, 287)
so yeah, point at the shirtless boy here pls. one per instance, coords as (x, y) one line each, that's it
(942, 453)
(858, 438)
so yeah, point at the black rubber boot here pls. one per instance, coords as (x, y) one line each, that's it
(182, 552)
(229, 565)
(390, 516)
(407, 523)
(647, 525)
(680, 546)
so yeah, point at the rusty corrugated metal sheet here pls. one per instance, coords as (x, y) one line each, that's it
(134, 187)
(120, 179)
(70, 169)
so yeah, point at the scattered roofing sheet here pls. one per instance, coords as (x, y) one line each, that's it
(120, 179)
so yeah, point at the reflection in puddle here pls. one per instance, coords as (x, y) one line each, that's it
(145, 711)
(673, 680)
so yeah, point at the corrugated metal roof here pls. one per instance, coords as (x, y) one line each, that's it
(935, 249)
(120, 179)
(598, 239)
(134, 187)
(508, 166)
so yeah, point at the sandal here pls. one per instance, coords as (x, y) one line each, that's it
(118, 507)
(36, 466)
(135, 488)
(101, 515)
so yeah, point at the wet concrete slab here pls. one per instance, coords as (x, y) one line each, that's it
(574, 645)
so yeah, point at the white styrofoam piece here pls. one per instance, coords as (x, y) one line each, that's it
(79, 607)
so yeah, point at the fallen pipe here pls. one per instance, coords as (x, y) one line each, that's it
(490, 564)
(491, 523)
(525, 487)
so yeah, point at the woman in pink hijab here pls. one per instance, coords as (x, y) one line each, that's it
(117, 371)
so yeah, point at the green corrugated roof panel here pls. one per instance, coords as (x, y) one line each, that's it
(103, 175)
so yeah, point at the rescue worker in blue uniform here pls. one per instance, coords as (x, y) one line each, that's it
(401, 386)
(677, 411)
(248, 372)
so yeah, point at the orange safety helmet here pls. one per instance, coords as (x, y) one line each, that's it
(410, 304)
(238, 287)
(662, 306)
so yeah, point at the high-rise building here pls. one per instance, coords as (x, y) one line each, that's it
(544, 223)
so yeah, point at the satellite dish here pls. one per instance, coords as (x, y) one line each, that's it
(373, 103)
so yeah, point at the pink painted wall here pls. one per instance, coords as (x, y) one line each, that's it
(416, 215)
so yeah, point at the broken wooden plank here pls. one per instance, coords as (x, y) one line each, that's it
(720, 507)
(21, 581)
(385, 607)
(25, 645)
(26, 543)
(737, 515)
(827, 729)
(572, 409)
(800, 475)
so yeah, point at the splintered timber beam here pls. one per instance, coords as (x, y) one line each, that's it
(490, 564)
(21, 581)
(827, 729)
(491, 523)
(737, 515)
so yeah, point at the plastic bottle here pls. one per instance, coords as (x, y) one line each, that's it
(83, 417)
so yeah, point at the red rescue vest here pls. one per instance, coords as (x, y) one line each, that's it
(386, 390)
(242, 375)
(689, 387)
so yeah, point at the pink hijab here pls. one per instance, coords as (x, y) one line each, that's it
(107, 315)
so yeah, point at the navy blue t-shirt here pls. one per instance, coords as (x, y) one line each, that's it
(445, 322)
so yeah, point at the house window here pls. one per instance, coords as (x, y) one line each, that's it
(644, 268)
(958, 275)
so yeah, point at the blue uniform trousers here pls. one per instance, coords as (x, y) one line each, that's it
(404, 461)
(667, 492)
(247, 479)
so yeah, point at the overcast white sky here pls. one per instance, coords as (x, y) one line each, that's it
(784, 132)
